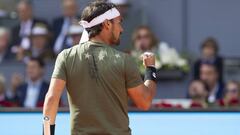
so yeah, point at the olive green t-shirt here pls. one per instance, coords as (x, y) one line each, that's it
(97, 78)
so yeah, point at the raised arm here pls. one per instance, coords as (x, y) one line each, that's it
(51, 104)
(143, 94)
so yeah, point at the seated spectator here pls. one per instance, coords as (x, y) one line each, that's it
(3, 13)
(75, 32)
(144, 40)
(232, 95)
(198, 92)
(39, 44)
(21, 33)
(32, 93)
(209, 54)
(5, 54)
(15, 82)
(210, 75)
(4, 102)
(122, 6)
(61, 25)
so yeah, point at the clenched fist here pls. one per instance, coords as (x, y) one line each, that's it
(148, 59)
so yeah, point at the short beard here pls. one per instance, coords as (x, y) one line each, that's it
(115, 40)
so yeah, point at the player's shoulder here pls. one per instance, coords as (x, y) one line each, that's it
(122, 54)
(69, 51)
(126, 57)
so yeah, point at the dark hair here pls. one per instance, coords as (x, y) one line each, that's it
(211, 42)
(27, 2)
(154, 40)
(38, 60)
(93, 10)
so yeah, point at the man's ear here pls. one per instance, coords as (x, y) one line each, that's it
(106, 24)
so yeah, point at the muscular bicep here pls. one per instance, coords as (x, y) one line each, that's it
(56, 87)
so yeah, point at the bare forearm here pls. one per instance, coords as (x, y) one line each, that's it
(51, 107)
(150, 90)
(52, 99)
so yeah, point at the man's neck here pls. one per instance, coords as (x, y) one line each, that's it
(99, 39)
(37, 80)
(27, 20)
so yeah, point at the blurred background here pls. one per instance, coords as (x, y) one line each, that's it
(196, 43)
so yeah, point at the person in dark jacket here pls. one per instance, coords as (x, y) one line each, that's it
(4, 101)
(31, 93)
(210, 75)
(5, 54)
(209, 50)
(21, 32)
(62, 24)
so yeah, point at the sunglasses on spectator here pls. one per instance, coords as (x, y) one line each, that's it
(142, 36)
(232, 90)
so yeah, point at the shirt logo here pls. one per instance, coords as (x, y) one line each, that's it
(87, 56)
(117, 56)
(154, 75)
(101, 55)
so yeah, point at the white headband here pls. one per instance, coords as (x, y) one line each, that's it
(108, 15)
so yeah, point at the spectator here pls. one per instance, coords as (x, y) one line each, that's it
(209, 54)
(210, 75)
(198, 92)
(16, 80)
(75, 32)
(23, 30)
(39, 38)
(32, 93)
(232, 95)
(61, 25)
(122, 6)
(3, 13)
(144, 40)
(5, 54)
(4, 102)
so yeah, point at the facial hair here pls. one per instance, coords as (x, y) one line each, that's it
(115, 40)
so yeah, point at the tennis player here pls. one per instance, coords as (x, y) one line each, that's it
(98, 78)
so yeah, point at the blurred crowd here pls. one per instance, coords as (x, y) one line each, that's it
(207, 87)
(35, 42)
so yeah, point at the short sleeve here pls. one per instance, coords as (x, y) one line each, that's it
(59, 71)
(132, 75)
